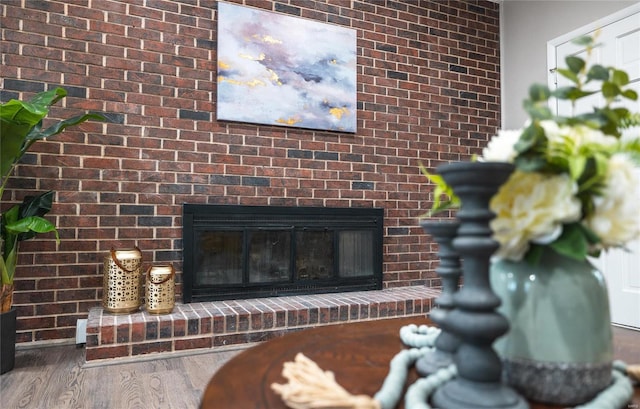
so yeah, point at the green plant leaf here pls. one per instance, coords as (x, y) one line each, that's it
(568, 74)
(571, 93)
(620, 78)
(577, 164)
(34, 206)
(20, 126)
(575, 64)
(572, 242)
(32, 223)
(538, 110)
(441, 189)
(8, 266)
(36, 133)
(610, 90)
(539, 92)
(530, 163)
(598, 72)
(33, 110)
(10, 240)
(62, 125)
(630, 94)
(11, 141)
(534, 254)
(584, 41)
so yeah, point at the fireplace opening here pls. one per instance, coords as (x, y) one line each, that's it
(233, 252)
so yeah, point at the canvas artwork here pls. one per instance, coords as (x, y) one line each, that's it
(280, 70)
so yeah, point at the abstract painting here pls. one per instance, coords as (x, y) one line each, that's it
(280, 70)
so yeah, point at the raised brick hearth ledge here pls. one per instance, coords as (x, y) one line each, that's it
(202, 326)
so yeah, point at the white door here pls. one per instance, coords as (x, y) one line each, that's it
(620, 47)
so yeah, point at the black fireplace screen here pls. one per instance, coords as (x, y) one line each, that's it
(256, 251)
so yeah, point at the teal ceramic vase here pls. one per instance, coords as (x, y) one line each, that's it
(559, 346)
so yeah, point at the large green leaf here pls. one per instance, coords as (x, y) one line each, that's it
(8, 266)
(33, 110)
(31, 224)
(58, 127)
(9, 243)
(34, 206)
(11, 141)
(17, 119)
(21, 125)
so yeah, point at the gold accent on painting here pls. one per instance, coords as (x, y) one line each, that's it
(338, 113)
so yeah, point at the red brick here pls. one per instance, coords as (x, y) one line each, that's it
(151, 156)
(150, 347)
(193, 343)
(93, 354)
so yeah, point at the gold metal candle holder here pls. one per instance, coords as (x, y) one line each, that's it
(159, 294)
(122, 281)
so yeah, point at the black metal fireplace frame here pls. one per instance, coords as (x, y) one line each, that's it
(220, 217)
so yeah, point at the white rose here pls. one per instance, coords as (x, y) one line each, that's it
(579, 135)
(532, 207)
(616, 219)
(501, 148)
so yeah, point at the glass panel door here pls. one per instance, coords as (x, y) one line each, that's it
(218, 258)
(269, 256)
(355, 249)
(314, 254)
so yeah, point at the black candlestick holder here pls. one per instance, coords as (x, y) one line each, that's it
(474, 319)
(449, 270)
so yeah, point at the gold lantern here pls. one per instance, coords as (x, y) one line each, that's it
(159, 294)
(122, 281)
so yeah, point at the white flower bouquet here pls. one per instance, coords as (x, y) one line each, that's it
(576, 187)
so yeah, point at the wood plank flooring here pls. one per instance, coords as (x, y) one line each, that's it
(57, 378)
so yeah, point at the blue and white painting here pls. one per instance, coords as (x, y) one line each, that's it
(281, 70)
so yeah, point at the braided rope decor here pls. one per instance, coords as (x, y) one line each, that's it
(309, 387)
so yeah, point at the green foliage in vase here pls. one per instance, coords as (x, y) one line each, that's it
(576, 185)
(443, 196)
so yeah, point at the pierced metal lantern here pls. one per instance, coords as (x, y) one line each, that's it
(160, 289)
(123, 281)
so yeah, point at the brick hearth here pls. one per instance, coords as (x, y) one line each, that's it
(201, 326)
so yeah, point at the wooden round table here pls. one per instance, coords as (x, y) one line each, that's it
(358, 354)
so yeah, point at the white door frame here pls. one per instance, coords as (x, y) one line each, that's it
(552, 64)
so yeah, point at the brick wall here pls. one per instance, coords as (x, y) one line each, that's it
(428, 91)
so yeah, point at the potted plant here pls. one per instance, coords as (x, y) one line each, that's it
(20, 127)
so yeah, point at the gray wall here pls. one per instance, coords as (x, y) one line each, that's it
(527, 25)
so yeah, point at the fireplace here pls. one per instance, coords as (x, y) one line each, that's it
(233, 252)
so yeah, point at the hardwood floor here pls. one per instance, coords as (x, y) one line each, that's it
(56, 378)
